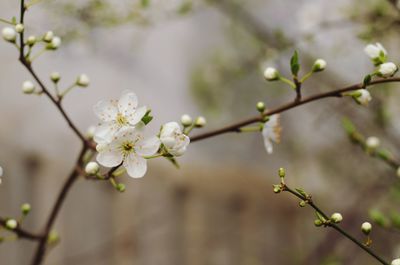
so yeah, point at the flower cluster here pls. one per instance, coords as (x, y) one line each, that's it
(378, 55)
(121, 138)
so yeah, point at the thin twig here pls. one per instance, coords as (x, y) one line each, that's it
(20, 232)
(335, 226)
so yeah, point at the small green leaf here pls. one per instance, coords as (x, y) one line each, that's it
(294, 63)
(14, 20)
(378, 217)
(367, 80)
(302, 192)
(173, 161)
(147, 118)
(348, 125)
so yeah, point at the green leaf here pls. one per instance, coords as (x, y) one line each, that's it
(173, 161)
(320, 217)
(14, 20)
(147, 118)
(302, 192)
(294, 63)
(378, 217)
(348, 125)
(367, 80)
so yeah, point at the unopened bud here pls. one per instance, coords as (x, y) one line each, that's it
(186, 120)
(260, 106)
(25, 208)
(83, 80)
(319, 65)
(11, 224)
(48, 37)
(336, 217)
(55, 77)
(9, 34)
(366, 228)
(281, 172)
(31, 40)
(121, 187)
(28, 87)
(92, 168)
(271, 74)
(19, 28)
(200, 122)
(318, 223)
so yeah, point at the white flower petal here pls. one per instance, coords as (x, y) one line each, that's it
(148, 147)
(106, 110)
(134, 117)
(105, 132)
(136, 166)
(110, 156)
(268, 146)
(127, 101)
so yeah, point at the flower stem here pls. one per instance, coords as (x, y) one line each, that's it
(306, 76)
(287, 81)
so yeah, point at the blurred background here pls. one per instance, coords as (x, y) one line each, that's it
(204, 57)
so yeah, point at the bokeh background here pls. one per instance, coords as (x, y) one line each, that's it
(204, 57)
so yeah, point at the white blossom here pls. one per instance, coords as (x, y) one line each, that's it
(372, 142)
(28, 87)
(48, 37)
(83, 80)
(366, 228)
(271, 132)
(363, 97)
(271, 74)
(54, 44)
(395, 262)
(130, 148)
(319, 65)
(9, 34)
(200, 122)
(19, 28)
(387, 69)
(117, 114)
(336, 217)
(173, 139)
(374, 51)
(92, 168)
(186, 120)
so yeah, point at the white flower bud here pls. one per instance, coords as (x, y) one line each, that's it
(319, 65)
(372, 142)
(362, 97)
(31, 40)
(336, 217)
(387, 69)
(28, 87)
(186, 120)
(374, 51)
(25, 208)
(83, 80)
(366, 228)
(271, 74)
(200, 122)
(11, 224)
(260, 106)
(54, 44)
(9, 34)
(90, 132)
(19, 28)
(55, 77)
(92, 168)
(395, 262)
(48, 37)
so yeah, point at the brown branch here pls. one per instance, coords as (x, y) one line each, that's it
(334, 93)
(41, 249)
(20, 232)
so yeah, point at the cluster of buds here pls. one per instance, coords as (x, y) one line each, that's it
(378, 55)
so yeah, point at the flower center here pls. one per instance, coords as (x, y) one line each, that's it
(121, 119)
(128, 147)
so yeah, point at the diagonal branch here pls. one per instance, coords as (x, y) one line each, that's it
(20, 232)
(334, 93)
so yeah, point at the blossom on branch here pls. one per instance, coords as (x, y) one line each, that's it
(130, 148)
(117, 114)
(271, 132)
(173, 139)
